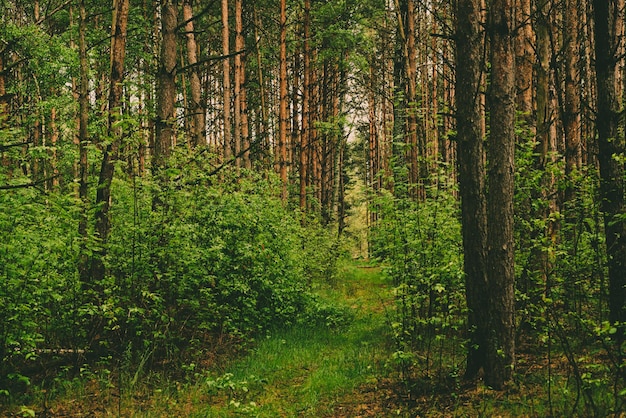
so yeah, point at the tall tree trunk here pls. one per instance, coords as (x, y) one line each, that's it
(283, 104)
(228, 152)
(373, 141)
(54, 139)
(315, 146)
(110, 151)
(405, 13)
(3, 92)
(263, 125)
(471, 165)
(608, 15)
(83, 102)
(237, 83)
(571, 112)
(306, 107)
(500, 153)
(296, 131)
(543, 135)
(240, 63)
(198, 117)
(524, 62)
(166, 86)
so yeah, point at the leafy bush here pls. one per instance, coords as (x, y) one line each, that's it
(37, 271)
(419, 245)
(211, 259)
(199, 261)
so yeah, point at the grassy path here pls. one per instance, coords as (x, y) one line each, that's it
(312, 371)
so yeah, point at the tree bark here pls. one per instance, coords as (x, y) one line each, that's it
(83, 120)
(263, 125)
(524, 62)
(571, 112)
(306, 107)
(607, 15)
(500, 153)
(283, 104)
(166, 86)
(198, 117)
(237, 83)
(471, 166)
(110, 151)
(3, 93)
(228, 152)
(240, 63)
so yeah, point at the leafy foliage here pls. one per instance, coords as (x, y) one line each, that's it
(418, 242)
(209, 260)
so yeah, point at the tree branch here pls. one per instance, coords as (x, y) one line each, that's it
(25, 185)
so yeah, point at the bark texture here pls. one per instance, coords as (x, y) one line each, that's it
(500, 154)
(608, 15)
(471, 165)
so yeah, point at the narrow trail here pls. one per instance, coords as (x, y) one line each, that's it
(317, 371)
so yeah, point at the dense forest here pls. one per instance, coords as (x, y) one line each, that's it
(185, 182)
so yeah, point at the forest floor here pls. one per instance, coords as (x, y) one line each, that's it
(308, 370)
(321, 371)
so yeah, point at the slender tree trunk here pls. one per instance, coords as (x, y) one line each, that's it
(283, 102)
(571, 114)
(296, 107)
(500, 152)
(3, 93)
(544, 129)
(54, 139)
(237, 83)
(373, 142)
(240, 63)
(198, 115)
(166, 86)
(315, 146)
(110, 152)
(471, 165)
(83, 102)
(306, 107)
(263, 125)
(608, 15)
(524, 62)
(405, 12)
(228, 151)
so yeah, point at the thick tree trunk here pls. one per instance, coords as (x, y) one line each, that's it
(608, 14)
(471, 165)
(500, 153)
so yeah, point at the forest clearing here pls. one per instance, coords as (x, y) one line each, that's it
(334, 208)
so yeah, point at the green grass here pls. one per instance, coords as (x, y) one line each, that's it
(312, 370)
(307, 370)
